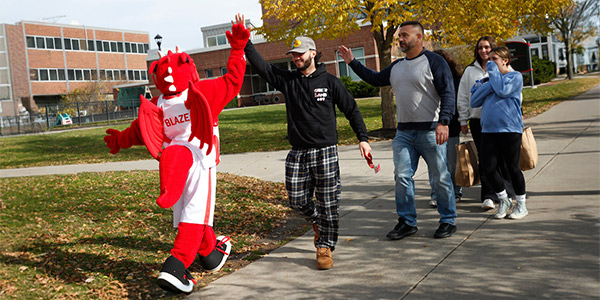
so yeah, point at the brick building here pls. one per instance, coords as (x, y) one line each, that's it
(40, 61)
(211, 60)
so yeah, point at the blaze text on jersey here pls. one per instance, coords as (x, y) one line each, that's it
(172, 121)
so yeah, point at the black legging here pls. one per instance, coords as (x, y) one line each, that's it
(505, 146)
(486, 189)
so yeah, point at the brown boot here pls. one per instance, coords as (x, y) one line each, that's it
(317, 235)
(324, 259)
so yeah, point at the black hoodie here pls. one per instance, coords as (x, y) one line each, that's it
(310, 103)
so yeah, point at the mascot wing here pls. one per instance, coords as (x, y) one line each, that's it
(151, 126)
(201, 117)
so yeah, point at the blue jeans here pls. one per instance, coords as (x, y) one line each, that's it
(451, 163)
(408, 146)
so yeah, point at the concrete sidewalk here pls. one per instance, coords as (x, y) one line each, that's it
(552, 253)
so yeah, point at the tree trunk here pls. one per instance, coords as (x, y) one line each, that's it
(388, 112)
(569, 53)
(384, 47)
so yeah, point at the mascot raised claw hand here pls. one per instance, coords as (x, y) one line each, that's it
(180, 129)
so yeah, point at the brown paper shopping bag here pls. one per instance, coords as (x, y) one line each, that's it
(467, 165)
(529, 151)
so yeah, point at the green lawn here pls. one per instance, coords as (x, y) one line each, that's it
(101, 235)
(538, 100)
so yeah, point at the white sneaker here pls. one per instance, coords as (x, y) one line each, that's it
(432, 203)
(505, 205)
(488, 204)
(520, 211)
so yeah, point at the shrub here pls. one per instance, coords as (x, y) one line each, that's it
(233, 103)
(543, 71)
(359, 89)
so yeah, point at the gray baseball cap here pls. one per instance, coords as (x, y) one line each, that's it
(302, 44)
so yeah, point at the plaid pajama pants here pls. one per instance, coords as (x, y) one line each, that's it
(315, 171)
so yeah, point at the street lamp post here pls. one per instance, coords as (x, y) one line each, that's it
(158, 40)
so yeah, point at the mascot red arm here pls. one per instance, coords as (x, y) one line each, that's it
(180, 129)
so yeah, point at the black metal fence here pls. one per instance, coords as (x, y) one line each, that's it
(64, 115)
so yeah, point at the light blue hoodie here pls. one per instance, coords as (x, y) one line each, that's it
(500, 101)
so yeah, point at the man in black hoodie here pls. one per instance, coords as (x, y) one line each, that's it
(311, 95)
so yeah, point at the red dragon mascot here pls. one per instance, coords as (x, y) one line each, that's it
(180, 129)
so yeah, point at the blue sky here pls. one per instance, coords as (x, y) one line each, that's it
(177, 21)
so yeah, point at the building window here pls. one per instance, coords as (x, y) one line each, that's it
(113, 46)
(211, 41)
(68, 44)
(222, 40)
(3, 76)
(61, 74)
(545, 51)
(90, 45)
(99, 46)
(133, 48)
(130, 75)
(209, 73)
(344, 69)
(87, 76)
(53, 74)
(223, 71)
(535, 52)
(71, 74)
(216, 40)
(33, 75)
(282, 65)
(259, 85)
(140, 48)
(75, 44)
(109, 75)
(106, 46)
(40, 43)
(30, 42)
(4, 92)
(533, 40)
(144, 75)
(127, 47)
(57, 43)
(49, 43)
(94, 75)
(44, 75)
(83, 45)
(120, 46)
